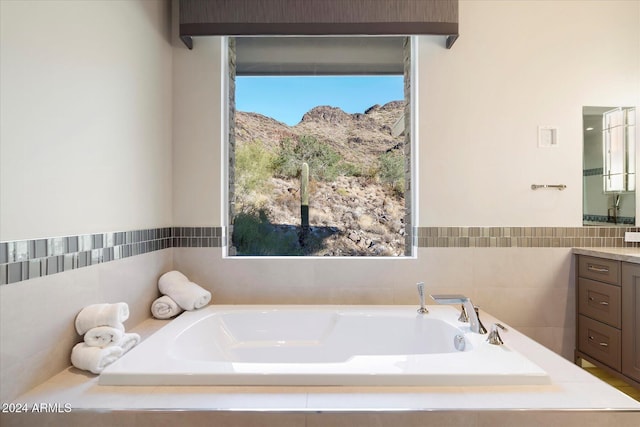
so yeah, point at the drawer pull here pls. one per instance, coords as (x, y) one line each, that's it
(601, 302)
(602, 344)
(595, 268)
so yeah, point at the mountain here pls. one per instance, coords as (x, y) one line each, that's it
(358, 137)
(351, 215)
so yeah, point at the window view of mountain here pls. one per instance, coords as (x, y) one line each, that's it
(355, 190)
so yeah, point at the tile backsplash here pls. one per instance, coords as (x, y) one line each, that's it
(27, 259)
(523, 237)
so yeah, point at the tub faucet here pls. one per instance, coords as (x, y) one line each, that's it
(422, 309)
(472, 311)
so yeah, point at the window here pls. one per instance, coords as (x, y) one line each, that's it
(618, 136)
(319, 146)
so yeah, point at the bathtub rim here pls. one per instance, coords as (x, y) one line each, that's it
(119, 375)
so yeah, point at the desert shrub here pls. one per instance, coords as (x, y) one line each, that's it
(253, 234)
(286, 162)
(392, 170)
(324, 162)
(350, 169)
(253, 167)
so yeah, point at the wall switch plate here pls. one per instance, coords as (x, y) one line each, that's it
(547, 136)
(632, 236)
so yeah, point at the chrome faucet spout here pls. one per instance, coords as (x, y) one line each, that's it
(481, 328)
(422, 309)
(474, 320)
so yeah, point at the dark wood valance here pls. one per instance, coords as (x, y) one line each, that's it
(318, 17)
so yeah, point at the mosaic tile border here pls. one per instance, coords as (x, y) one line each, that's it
(523, 237)
(592, 172)
(28, 259)
(629, 221)
(198, 237)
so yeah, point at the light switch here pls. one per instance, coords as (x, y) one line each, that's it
(547, 136)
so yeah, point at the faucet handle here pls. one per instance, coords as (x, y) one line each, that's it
(494, 336)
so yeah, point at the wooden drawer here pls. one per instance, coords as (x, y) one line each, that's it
(603, 270)
(599, 341)
(599, 301)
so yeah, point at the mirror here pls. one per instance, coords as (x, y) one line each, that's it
(609, 166)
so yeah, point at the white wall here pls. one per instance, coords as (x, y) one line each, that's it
(197, 131)
(86, 113)
(518, 65)
(85, 147)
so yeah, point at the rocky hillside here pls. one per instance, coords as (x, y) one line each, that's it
(358, 137)
(352, 215)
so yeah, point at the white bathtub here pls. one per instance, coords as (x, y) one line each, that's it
(320, 345)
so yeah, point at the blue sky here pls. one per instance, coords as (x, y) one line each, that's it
(287, 98)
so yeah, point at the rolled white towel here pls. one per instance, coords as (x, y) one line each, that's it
(189, 296)
(127, 342)
(165, 308)
(94, 359)
(171, 278)
(102, 336)
(186, 294)
(102, 315)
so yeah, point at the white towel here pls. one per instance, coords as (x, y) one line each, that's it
(165, 308)
(102, 315)
(102, 336)
(186, 294)
(171, 278)
(128, 341)
(94, 359)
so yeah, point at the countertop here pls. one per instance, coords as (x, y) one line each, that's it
(620, 254)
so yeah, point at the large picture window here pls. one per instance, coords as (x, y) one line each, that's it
(319, 146)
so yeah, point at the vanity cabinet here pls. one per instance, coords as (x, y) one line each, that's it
(631, 320)
(608, 315)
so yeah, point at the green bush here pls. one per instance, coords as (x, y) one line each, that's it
(392, 170)
(350, 169)
(253, 168)
(324, 162)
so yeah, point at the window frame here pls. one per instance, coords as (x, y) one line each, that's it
(227, 157)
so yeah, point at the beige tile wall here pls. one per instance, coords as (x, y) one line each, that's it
(37, 316)
(531, 289)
